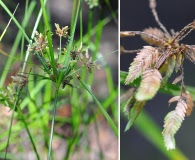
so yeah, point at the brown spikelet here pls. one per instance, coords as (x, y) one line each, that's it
(154, 31)
(177, 79)
(144, 59)
(173, 122)
(149, 85)
(162, 58)
(189, 101)
(190, 53)
(174, 99)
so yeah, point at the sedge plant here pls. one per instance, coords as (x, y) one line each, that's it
(62, 74)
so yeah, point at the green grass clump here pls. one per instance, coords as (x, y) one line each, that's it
(52, 88)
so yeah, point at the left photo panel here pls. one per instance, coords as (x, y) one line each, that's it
(59, 80)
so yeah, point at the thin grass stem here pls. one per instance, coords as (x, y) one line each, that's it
(52, 124)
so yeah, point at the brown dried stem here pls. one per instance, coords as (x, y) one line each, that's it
(152, 5)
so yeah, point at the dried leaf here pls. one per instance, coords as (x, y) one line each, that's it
(144, 59)
(173, 122)
(154, 31)
(149, 85)
(129, 105)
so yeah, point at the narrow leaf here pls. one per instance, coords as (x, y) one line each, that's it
(104, 112)
(134, 112)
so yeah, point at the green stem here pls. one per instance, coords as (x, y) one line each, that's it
(52, 124)
(66, 61)
(67, 58)
(51, 51)
(29, 134)
(10, 128)
(60, 52)
(89, 26)
(25, 124)
(81, 25)
(16, 22)
(32, 36)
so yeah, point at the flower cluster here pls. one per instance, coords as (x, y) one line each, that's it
(40, 47)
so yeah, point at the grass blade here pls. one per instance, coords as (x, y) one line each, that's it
(114, 127)
(16, 22)
(17, 41)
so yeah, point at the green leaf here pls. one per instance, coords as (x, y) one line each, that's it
(106, 115)
(134, 111)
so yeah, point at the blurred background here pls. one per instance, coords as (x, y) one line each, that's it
(135, 15)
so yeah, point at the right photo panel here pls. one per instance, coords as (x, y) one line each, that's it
(157, 80)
